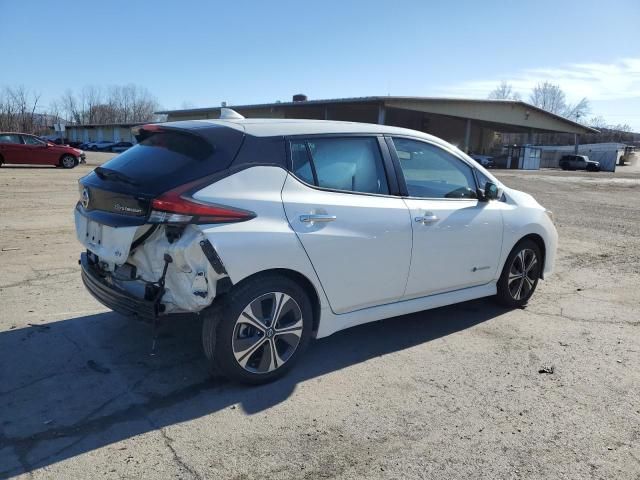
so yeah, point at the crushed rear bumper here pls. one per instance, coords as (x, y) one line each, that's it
(114, 297)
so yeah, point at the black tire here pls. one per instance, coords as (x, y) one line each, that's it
(225, 328)
(523, 283)
(563, 166)
(68, 161)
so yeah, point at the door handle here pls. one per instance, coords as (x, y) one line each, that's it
(317, 218)
(427, 218)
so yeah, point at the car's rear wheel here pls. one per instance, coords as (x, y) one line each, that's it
(259, 330)
(520, 274)
(68, 161)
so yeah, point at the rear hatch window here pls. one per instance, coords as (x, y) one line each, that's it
(160, 162)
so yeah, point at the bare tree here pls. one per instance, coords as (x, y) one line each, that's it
(578, 110)
(72, 111)
(551, 98)
(90, 96)
(18, 108)
(504, 91)
(608, 132)
(118, 104)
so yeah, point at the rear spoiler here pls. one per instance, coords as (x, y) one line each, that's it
(142, 132)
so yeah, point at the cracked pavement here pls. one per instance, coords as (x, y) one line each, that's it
(450, 393)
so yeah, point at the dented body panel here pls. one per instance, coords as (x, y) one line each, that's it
(190, 282)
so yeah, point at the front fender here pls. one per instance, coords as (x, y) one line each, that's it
(523, 216)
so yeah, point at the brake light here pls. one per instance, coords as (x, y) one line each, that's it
(177, 206)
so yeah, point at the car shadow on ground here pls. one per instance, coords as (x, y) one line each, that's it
(17, 166)
(73, 386)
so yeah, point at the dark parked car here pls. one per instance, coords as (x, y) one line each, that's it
(101, 146)
(579, 162)
(484, 160)
(121, 147)
(61, 141)
(30, 150)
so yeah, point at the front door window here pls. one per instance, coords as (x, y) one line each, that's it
(431, 172)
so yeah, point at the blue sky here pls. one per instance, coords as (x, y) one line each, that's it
(201, 53)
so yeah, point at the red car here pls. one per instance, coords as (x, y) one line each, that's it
(31, 150)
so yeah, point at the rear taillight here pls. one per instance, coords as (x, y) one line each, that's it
(177, 206)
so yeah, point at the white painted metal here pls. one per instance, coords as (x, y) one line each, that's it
(362, 257)
(331, 323)
(523, 216)
(110, 244)
(265, 243)
(461, 248)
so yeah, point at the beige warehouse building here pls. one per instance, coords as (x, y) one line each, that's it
(470, 124)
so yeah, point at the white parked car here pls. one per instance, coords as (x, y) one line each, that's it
(279, 231)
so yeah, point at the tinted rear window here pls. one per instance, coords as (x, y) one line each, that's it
(169, 159)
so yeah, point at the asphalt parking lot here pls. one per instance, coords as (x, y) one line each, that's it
(455, 392)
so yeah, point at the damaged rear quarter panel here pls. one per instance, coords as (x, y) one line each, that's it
(190, 283)
(265, 242)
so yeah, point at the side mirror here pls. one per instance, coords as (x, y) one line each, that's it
(490, 191)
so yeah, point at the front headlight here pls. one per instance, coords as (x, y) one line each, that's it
(550, 215)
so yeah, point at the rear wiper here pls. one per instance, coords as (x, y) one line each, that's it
(105, 173)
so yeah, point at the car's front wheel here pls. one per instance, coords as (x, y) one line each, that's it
(259, 330)
(520, 274)
(68, 161)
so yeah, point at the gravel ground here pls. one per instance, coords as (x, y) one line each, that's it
(450, 393)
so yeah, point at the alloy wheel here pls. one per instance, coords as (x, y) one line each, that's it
(267, 332)
(68, 162)
(523, 274)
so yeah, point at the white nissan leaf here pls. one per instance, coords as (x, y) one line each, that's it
(279, 231)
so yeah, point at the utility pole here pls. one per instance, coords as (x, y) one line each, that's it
(576, 137)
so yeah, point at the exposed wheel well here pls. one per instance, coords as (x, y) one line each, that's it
(537, 239)
(304, 282)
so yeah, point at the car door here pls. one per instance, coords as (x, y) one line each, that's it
(357, 234)
(457, 237)
(36, 151)
(10, 147)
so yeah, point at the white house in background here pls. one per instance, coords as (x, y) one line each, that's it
(608, 154)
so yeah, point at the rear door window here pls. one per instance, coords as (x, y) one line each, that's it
(29, 140)
(352, 164)
(10, 138)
